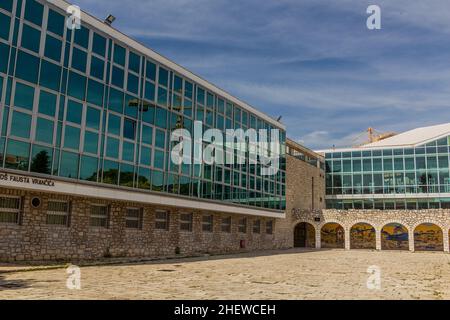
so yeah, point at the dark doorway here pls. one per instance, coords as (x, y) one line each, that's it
(304, 236)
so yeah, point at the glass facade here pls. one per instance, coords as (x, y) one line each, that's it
(397, 178)
(80, 105)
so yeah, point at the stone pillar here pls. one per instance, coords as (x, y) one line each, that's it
(347, 238)
(446, 241)
(318, 239)
(411, 239)
(378, 239)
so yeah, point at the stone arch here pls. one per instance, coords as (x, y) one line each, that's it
(332, 235)
(428, 236)
(362, 236)
(304, 235)
(394, 236)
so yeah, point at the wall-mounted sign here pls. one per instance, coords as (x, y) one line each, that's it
(23, 179)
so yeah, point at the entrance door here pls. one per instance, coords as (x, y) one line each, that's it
(300, 236)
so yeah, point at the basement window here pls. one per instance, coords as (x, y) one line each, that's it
(99, 216)
(242, 226)
(162, 220)
(186, 222)
(269, 227)
(207, 223)
(58, 213)
(257, 226)
(226, 225)
(10, 209)
(134, 218)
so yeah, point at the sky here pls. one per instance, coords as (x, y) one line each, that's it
(314, 62)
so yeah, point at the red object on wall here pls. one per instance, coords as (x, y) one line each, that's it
(242, 244)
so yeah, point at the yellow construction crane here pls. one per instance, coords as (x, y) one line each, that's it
(373, 136)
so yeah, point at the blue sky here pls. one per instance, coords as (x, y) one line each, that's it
(312, 61)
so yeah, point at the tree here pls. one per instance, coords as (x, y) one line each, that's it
(41, 162)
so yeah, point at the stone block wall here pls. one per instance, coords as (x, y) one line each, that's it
(33, 239)
(410, 219)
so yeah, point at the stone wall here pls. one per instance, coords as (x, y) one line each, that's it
(33, 239)
(410, 219)
(299, 195)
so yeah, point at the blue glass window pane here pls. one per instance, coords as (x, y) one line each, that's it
(134, 62)
(5, 25)
(93, 118)
(41, 159)
(151, 71)
(7, 5)
(117, 77)
(119, 55)
(4, 57)
(77, 86)
(110, 172)
(31, 38)
(88, 168)
(112, 148)
(133, 83)
(27, 67)
(55, 22)
(149, 91)
(147, 134)
(69, 165)
(146, 156)
(1, 96)
(97, 68)
(79, 59)
(17, 155)
(158, 161)
(131, 106)
(163, 77)
(90, 142)
(47, 103)
(162, 96)
(160, 139)
(24, 96)
(128, 151)
(53, 48)
(126, 175)
(99, 45)
(144, 178)
(161, 118)
(157, 180)
(34, 11)
(116, 100)
(72, 138)
(148, 113)
(21, 124)
(44, 130)
(95, 93)
(129, 129)
(178, 84)
(50, 75)
(188, 89)
(82, 37)
(201, 96)
(74, 112)
(113, 124)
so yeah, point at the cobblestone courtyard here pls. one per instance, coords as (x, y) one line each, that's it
(291, 274)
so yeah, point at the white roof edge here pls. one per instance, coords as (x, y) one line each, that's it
(379, 145)
(127, 40)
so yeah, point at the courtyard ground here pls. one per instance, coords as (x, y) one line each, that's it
(287, 274)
